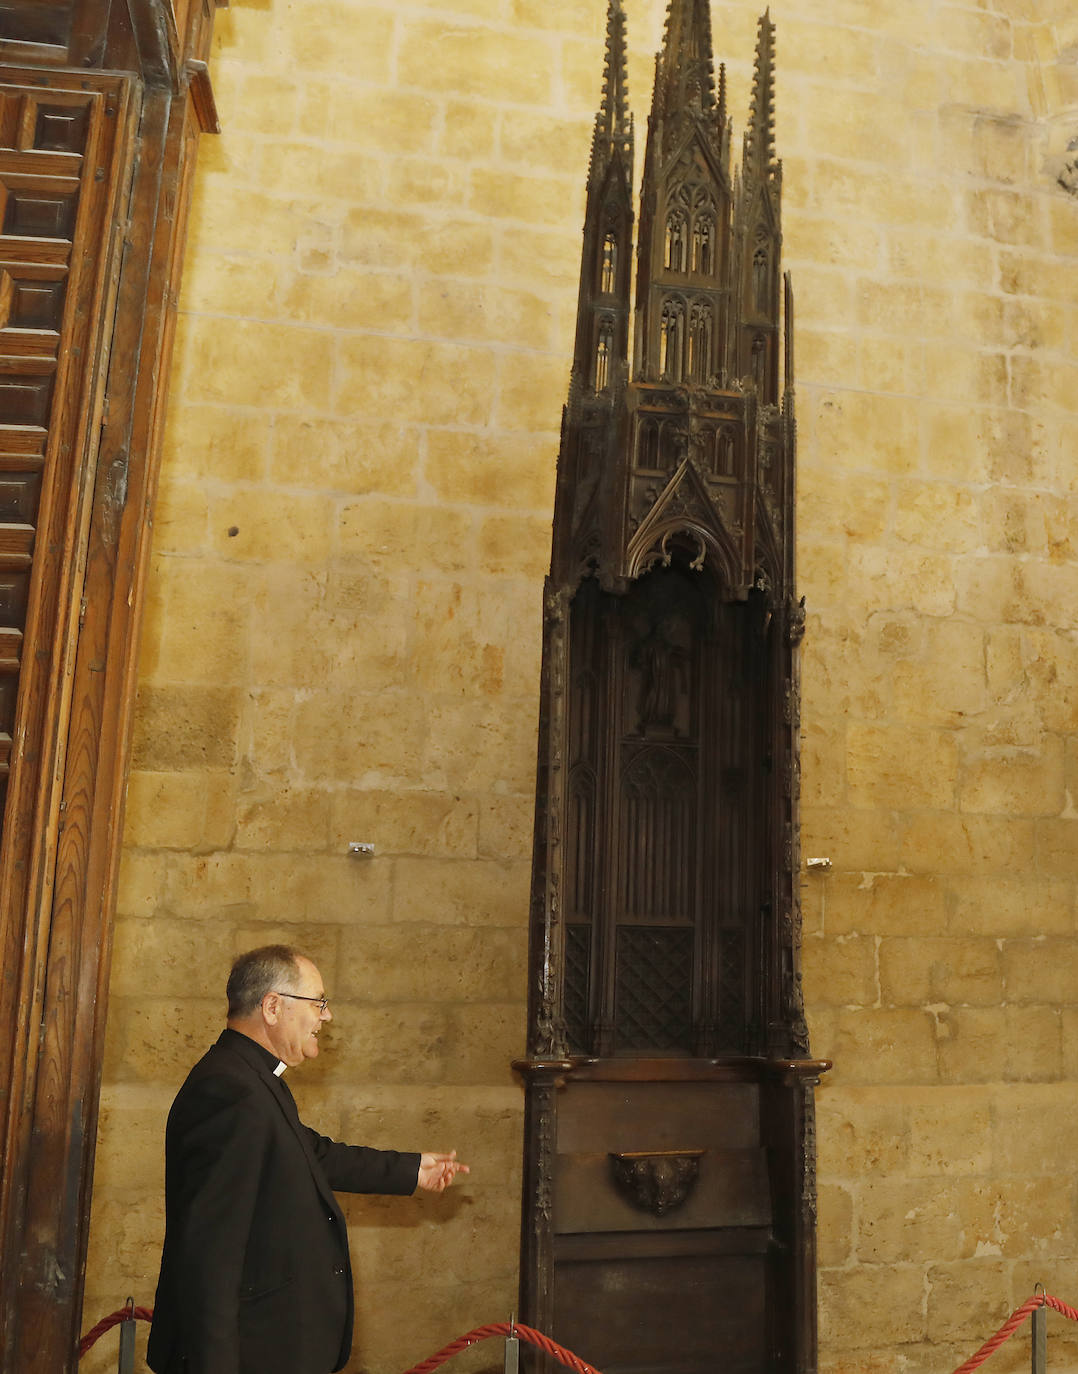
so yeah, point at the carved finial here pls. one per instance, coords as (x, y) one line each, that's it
(760, 135)
(688, 75)
(613, 123)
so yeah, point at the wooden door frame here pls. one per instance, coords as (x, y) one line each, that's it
(60, 854)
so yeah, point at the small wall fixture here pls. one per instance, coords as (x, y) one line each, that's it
(360, 850)
(822, 864)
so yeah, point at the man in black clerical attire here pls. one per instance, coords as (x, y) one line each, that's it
(255, 1272)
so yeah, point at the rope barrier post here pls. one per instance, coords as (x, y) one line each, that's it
(126, 1361)
(512, 1349)
(1039, 1340)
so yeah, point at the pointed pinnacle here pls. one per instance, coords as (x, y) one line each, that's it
(613, 123)
(687, 64)
(760, 147)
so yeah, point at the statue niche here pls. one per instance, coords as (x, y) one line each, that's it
(669, 1196)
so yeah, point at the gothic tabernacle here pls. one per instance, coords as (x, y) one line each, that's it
(669, 1202)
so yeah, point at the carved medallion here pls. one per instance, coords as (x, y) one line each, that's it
(656, 1181)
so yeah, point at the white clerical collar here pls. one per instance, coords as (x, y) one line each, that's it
(280, 1069)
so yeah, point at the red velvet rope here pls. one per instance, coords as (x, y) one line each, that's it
(527, 1333)
(129, 1313)
(574, 1362)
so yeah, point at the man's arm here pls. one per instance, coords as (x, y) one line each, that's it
(359, 1169)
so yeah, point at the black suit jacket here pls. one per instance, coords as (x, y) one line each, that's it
(255, 1272)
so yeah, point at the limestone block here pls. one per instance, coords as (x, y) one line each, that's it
(937, 515)
(496, 194)
(350, 457)
(843, 673)
(896, 579)
(286, 367)
(892, 365)
(822, 568)
(495, 1034)
(141, 883)
(1057, 846)
(408, 822)
(839, 972)
(340, 36)
(1023, 904)
(884, 1046)
(165, 957)
(858, 125)
(824, 355)
(326, 888)
(854, 840)
(216, 224)
(181, 643)
(402, 1043)
(1008, 217)
(364, 740)
(514, 471)
(945, 683)
(1017, 1217)
(550, 145)
(531, 395)
(902, 1219)
(1032, 1128)
(479, 893)
(216, 442)
(506, 825)
(461, 637)
(944, 843)
(130, 1156)
(263, 525)
(392, 121)
(126, 1252)
(165, 810)
(967, 1300)
(823, 751)
(882, 903)
(205, 886)
(333, 633)
(469, 131)
(1012, 779)
(350, 298)
(382, 376)
(154, 1040)
(863, 1130)
(180, 728)
(938, 260)
(547, 259)
(282, 817)
(476, 311)
(824, 296)
(515, 545)
(460, 59)
(834, 1232)
(950, 1133)
(917, 971)
(1001, 1044)
(900, 767)
(475, 745)
(1050, 661)
(953, 372)
(436, 962)
(874, 1304)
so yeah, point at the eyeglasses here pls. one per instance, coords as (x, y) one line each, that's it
(323, 1002)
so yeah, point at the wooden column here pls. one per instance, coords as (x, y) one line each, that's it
(99, 122)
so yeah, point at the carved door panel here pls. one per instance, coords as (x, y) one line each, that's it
(62, 159)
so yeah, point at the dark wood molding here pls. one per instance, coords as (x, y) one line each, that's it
(100, 409)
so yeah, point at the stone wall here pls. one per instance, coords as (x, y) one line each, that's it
(342, 641)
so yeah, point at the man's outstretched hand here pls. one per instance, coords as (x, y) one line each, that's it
(437, 1172)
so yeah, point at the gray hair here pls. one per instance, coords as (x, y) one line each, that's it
(271, 968)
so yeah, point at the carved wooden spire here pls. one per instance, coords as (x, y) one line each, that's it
(759, 159)
(686, 70)
(613, 135)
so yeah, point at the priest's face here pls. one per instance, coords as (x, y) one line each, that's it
(299, 1015)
